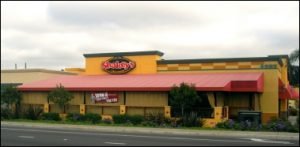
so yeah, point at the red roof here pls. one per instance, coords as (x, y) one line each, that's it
(244, 82)
(287, 92)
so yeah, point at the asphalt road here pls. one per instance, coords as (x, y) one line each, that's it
(31, 136)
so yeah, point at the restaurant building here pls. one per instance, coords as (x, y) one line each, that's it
(139, 83)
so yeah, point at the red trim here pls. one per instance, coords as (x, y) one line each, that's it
(287, 92)
(235, 82)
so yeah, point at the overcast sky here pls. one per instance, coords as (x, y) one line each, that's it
(55, 35)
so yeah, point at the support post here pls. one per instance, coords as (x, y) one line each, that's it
(167, 111)
(122, 109)
(82, 108)
(46, 107)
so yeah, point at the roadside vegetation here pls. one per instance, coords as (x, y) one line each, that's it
(183, 97)
(151, 120)
(275, 125)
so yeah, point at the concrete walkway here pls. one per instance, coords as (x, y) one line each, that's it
(240, 134)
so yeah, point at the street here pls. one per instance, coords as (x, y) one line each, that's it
(34, 136)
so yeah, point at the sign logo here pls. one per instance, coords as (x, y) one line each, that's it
(118, 65)
(104, 97)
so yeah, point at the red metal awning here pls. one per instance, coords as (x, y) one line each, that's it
(238, 82)
(287, 92)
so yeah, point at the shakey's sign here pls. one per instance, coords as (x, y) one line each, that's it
(104, 97)
(118, 65)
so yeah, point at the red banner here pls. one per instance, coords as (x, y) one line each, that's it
(104, 97)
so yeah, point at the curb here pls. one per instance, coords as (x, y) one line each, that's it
(173, 131)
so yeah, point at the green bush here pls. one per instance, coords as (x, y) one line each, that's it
(192, 120)
(136, 119)
(277, 124)
(293, 111)
(148, 123)
(50, 116)
(120, 119)
(33, 113)
(75, 117)
(243, 125)
(107, 121)
(128, 119)
(92, 117)
(156, 118)
(6, 113)
(89, 117)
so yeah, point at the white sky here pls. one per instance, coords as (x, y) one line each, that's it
(55, 35)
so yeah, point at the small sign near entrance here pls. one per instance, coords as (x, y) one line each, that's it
(118, 65)
(104, 97)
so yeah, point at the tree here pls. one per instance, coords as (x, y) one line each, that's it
(294, 56)
(293, 68)
(60, 96)
(183, 97)
(9, 96)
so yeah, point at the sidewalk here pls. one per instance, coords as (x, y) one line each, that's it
(225, 133)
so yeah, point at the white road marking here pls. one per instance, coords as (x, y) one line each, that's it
(30, 137)
(127, 135)
(65, 139)
(270, 141)
(119, 143)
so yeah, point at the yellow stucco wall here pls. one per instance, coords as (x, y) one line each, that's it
(78, 98)
(34, 98)
(147, 99)
(93, 109)
(218, 66)
(145, 64)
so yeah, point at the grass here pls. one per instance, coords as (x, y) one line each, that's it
(104, 124)
(121, 125)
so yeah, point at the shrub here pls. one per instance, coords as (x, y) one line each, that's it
(157, 118)
(228, 124)
(243, 125)
(277, 124)
(293, 112)
(6, 113)
(120, 119)
(92, 117)
(191, 120)
(127, 119)
(33, 113)
(75, 117)
(50, 116)
(149, 123)
(107, 121)
(136, 119)
(89, 117)
(200, 122)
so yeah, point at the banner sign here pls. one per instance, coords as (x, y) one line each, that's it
(118, 65)
(104, 97)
